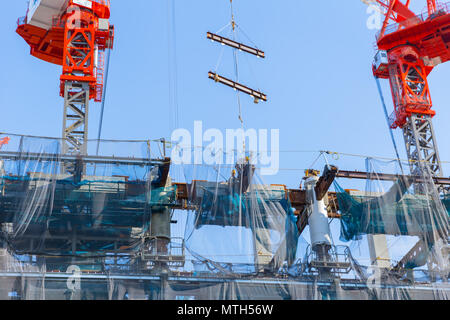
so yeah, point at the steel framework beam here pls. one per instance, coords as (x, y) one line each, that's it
(235, 44)
(237, 86)
(130, 161)
(75, 119)
(387, 177)
(421, 146)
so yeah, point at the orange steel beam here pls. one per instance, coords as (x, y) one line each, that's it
(235, 44)
(387, 177)
(237, 86)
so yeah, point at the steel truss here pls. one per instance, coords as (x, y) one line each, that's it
(75, 119)
(421, 146)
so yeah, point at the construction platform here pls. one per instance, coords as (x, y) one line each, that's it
(101, 227)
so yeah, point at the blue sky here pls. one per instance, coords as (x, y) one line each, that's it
(317, 75)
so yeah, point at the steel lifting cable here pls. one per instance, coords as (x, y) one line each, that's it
(223, 47)
(173, 65)
(174, 39)
(380, 92)
(102, 110)
(236, 66)
(236, 71)
(223, 28)
(246, 58)
(219, 61)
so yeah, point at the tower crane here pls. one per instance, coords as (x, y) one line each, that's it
(74, 34)
(409, 47)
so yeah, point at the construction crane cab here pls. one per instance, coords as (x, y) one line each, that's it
(380, 65)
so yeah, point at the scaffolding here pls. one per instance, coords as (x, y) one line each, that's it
(107, 230)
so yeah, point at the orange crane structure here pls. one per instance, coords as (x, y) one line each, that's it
(74, 34)
(409, 47)
(4, 141)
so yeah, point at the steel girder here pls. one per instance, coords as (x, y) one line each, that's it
(75, 119)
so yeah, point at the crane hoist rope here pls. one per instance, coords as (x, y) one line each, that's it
(172, 65)
(231, 41)
(383, 103)
(102, 110)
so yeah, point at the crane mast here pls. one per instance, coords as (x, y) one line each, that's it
(74, 34)
(410, 46)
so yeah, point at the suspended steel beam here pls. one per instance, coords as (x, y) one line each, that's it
(235, 44)
(386, 177)
(237, 86)
(32, 156)
(325, 181)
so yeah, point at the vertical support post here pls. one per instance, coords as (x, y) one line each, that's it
(318, 219)
(379, 251)
(262, 244)
(75, 119)
(422, 151)
(421, 147)
(412, 110)
(319, 229)
(160, 230)
(74, 244)
(75, 122)
(43, 285)
(79, 79)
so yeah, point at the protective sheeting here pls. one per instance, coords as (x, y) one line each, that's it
(57, 206)
(112, 226)
(412, 207)
(409, 206)
(240, 218)
(156, 288)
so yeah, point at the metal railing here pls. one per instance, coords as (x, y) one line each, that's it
(103, 2)
(21, 21)
(172, 253)
(442, 9)
(337, 259)
(57, 23)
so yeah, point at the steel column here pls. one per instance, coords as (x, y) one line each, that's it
(75, 119)
(421, 146)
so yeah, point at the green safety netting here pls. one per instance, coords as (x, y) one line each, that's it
(110, 201)
(410, 215)
(239, 220)
(238, 237)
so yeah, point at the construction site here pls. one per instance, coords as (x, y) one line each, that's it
(86, 218)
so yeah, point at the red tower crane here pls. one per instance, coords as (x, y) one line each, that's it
(75, 35)
(410, 46)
